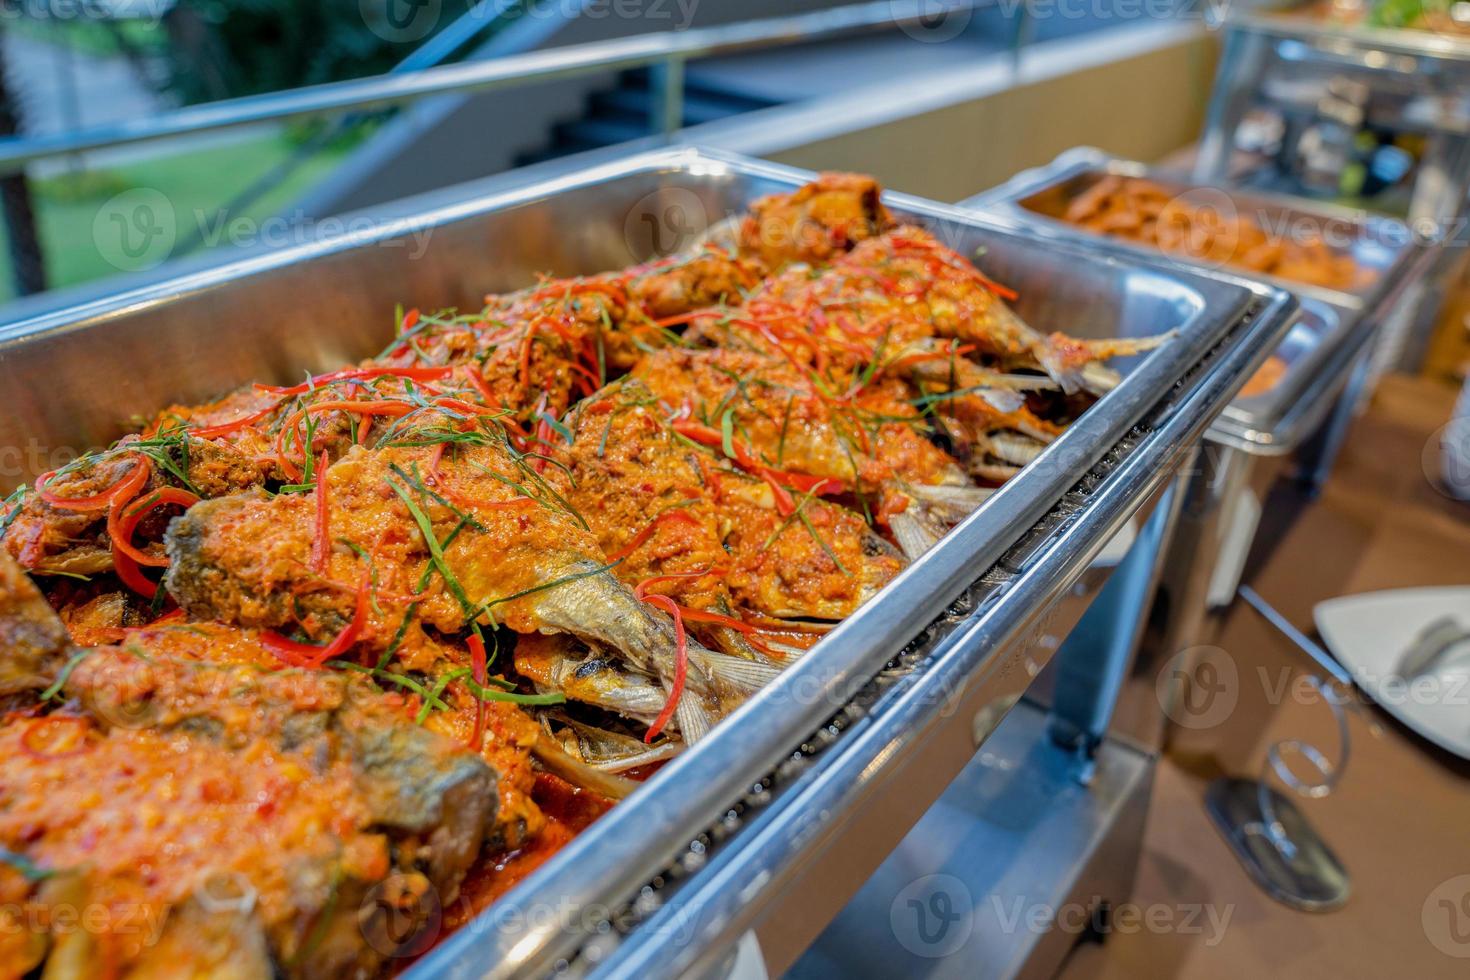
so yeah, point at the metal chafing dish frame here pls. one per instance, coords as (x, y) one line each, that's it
(1341, 324)
(1420, 61)
(1426, 62)
(1285, 20)
(746, 816)
(1305, 416)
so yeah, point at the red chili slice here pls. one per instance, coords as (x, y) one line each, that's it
(225, 428)
(681, 665)
(35, 742)
(641, 589)
(309, 655)
(321, 545)
(120, 525)
(478, 670)
(96, 501)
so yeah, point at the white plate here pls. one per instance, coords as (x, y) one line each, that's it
(1369, 633)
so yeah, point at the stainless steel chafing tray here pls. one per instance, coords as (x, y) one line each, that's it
(1334, 327)
(1347, 42)
(774, 819)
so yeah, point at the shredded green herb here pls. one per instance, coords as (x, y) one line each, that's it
(28, 869)
(65, 675)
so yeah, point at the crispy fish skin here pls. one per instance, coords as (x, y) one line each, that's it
(247, 559)
(696, 514)
(414, 784)
(33, 640)
(497, 557)
(818, 221)
(193, 760)
(554, 664)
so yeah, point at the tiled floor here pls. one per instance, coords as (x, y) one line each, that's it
(1400, 820)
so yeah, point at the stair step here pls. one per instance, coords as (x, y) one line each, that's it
(620, 114)
(530, 157)
(697, 90)
(624, 112)
(597, 132)
(698, 107)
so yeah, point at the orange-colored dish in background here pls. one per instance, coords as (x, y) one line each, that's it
(1267, 376)
(1143, 211)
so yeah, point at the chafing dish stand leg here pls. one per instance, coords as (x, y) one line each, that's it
(1271, 837)
(1036, 843)
(1316, 457)
(1241, 63)
(1017, 862)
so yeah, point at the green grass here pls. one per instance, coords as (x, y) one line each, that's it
(196, 185)
(91, 37)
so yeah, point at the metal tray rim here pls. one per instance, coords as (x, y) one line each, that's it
(1280, 20)
(1078, 160)
(1271, 423)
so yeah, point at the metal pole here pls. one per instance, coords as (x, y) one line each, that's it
(27, 260)
(1303, 643)
(666, 82)
(1021, 38)
(1241, 63)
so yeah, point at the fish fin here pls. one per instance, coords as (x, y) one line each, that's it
(1127, 346)
(953, 503)
(1014, 448)
(1003, 400)
(693, 718)
(913, 537)
(560, 763)
(734, 643)
(790, 652)
(744, 676)
(1098, 379)
(994, 471)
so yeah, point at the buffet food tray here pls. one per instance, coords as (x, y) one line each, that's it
(1333, 328)
(836, 759)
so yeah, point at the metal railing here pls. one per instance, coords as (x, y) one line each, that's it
(432, 53)
(665, 52)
